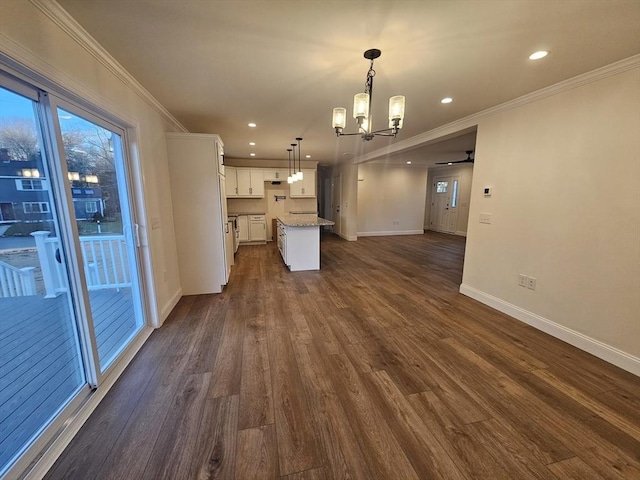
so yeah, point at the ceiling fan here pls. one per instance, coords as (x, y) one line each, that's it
(466, 160)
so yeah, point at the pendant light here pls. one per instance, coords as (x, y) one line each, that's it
(299, 175)
(290, 178)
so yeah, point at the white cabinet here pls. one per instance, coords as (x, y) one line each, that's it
(244, 182)
(299, 247)
(231, 181)
(257, 228)
(250, 183)
(229, 236)
(275, 174)
(199, 211)
(252, 228)
(243, 228)
(306, 187)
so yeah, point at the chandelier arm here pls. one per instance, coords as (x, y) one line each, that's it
(348, 134)
(392, 131)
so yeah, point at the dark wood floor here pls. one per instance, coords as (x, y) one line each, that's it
(373, 368)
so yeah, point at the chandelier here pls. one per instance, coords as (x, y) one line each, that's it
(362, 108)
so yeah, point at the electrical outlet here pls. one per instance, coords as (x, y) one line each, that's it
(485, 218)
(523, 280)
(531, 283)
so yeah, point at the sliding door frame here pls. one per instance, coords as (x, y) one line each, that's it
(54, 437)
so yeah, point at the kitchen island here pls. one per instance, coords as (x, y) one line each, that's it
(299, 241)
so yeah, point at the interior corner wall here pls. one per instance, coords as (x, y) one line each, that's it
(349, 199)
(32, 39)
(391, 199)
(565, 172)
(465, 172)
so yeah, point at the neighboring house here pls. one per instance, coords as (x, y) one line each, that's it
(23, 198)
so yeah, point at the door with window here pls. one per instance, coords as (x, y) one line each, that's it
(336, 199)
(444, 204)
(70, 293)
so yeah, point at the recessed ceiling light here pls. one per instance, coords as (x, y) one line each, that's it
(446, 100)
(252, 143)
(449, 163)
(538, 55)
(252, 125)
(252, 154)
(409, 162)
(308, 156)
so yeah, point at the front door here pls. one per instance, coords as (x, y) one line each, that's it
(444, 204)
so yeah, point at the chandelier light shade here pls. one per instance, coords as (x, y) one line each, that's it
(339, 118)
(362, 108)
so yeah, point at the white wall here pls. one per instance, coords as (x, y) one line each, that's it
(465, 172)
(566, 210)
(35, 41)
(349, 200)
(391, 199)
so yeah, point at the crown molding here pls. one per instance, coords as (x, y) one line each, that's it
(71, 27)
(472, 121)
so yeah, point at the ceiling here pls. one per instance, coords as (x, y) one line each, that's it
(284, 64)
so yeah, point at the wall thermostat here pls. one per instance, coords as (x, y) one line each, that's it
(487, 191)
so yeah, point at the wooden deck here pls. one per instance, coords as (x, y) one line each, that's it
(40, 363)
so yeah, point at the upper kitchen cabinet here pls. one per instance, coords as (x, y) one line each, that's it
(245, 183)
(231, 182)
(306, 187)
(275, 174)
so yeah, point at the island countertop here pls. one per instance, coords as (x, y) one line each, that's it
(304, 221)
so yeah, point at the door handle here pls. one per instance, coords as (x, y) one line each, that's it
(57, 255)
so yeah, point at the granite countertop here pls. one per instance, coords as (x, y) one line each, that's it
(304, 221)
(240, 214)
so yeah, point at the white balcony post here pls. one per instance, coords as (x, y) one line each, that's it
(47, 264)
(28, 281)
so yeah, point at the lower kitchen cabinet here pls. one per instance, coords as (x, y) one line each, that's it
(257, 228)
(252, 228)
(243, 228)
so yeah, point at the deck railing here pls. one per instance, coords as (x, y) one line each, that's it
(104, 259)
(16, 282)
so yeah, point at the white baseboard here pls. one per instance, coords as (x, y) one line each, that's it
(348, 237)
(169, 306)
(461, 233)
(590, 345)
(56, 448)
(389, 233)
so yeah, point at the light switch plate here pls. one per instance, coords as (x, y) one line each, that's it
(485, 218)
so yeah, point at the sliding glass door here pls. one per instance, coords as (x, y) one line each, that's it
(92, 152)
(70, 300)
